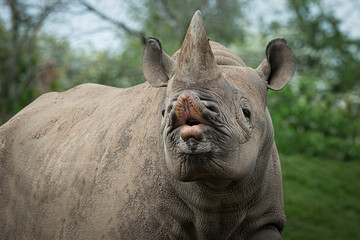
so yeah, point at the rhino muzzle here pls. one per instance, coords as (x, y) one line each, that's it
(189, 117)
(192, 115)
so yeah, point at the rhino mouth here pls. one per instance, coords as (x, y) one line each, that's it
(188, 117)
(192, 117)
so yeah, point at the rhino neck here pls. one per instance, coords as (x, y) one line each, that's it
(227, 196)
(226, 193)
(232, 210)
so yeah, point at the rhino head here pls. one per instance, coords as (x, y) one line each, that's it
(215, 124)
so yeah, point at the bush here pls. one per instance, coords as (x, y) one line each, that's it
(314, 122)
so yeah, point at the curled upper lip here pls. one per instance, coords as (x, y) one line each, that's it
(189, 109)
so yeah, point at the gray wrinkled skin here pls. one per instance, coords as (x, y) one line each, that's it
(188, 155)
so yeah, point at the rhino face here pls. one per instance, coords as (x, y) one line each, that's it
(207, 133)
(214, 120)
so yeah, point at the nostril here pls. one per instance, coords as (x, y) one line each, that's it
(169, 108)
(212, 107)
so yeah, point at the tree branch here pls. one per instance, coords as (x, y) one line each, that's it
(126, 29)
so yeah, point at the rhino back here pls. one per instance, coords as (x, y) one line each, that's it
(74, 163)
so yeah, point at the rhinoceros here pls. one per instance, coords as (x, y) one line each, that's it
(189, 154)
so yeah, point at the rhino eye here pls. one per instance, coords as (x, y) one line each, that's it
(246, 113)
(245, 107)
(163, 112)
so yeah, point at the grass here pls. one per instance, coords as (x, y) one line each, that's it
(322, 198)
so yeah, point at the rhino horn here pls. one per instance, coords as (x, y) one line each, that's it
(196, 62)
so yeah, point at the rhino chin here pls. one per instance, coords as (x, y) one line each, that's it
(193, 146)
(205, 168)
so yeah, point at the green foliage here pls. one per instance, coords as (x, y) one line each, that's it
(321, 198)
(322, 50)
(21, 69)
(319, 113)
(113, 69)
(16, 74)
(314, 122)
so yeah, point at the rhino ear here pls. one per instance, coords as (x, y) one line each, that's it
(158, 67)
(279, 66)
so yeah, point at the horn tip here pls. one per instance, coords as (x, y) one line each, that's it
(196, 24)
(197, 15)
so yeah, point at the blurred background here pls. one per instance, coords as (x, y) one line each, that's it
(53, 45)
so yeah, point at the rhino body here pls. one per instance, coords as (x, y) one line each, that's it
(173, 158)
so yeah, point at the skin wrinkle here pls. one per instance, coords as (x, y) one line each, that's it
(228, 123)
(232, 72)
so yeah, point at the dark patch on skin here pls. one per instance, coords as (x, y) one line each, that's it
(62, 228)
(124, 141)
(126, 133)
